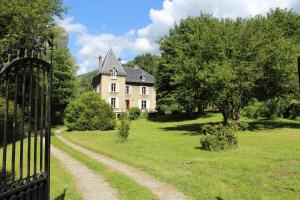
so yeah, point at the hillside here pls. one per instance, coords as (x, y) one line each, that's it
(84, 81)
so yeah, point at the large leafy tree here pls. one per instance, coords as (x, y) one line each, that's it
(63, 74)
(227, 62)
(147, 62)
(27, 22)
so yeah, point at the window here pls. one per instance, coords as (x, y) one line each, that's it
(113, 87)
(113, 102)
(144, 104)
(127, 89)
(113, 74)
(144, 89)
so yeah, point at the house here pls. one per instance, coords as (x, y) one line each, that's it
(124, 87)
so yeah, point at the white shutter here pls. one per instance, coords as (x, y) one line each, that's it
(130, 89)
(141, 90)
(140, 104)
(147, 90)
(109, 87)
(148, 105)
(117, 102)
(117, 87)
(109, 101)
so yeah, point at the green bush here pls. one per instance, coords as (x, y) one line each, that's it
(134, 113)
(89, 112)
(253, 110)
(274, 107)
(223, 138)
(123, 129)
(293, 109)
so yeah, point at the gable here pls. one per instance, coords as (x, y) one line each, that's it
(110, 63)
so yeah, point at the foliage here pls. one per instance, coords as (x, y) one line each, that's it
(147, 62)
(123, 129)
(10, 118)
(89, 112)
(222, 138)
(253, 110)
(24, 21)
(63, 76)
(228, 62)
(134, 113)
(293, 110)
(273, 108)
(84, 82)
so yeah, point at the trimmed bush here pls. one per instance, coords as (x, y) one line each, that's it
(89, 112)
(223, 138)
(123, 128)
(134, 113)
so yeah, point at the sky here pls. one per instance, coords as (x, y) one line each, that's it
(132, 27)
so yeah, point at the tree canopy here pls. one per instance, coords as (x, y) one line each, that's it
(228, 62)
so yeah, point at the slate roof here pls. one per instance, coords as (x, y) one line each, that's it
(111, 62)
(134, 75)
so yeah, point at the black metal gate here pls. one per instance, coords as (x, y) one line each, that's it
(26, 83)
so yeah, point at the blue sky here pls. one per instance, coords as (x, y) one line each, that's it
(132, 27)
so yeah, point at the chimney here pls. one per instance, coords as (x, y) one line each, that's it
(120, 60)
(136, 66)
(100, 62)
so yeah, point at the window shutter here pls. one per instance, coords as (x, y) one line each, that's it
(130, 89)
(140, 104)
(141, 90)
(147, 90)
(148, 105)
(117, 102)
(117, 87)
(109, 87)
(109, 100)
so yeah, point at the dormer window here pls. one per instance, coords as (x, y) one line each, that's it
(113, 74)
(143, 77)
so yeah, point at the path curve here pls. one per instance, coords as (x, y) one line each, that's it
(162, 190)
(89, 184)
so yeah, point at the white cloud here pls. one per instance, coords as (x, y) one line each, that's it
(143, 40)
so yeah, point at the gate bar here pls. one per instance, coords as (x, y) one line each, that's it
(29, 127)
(15, 128)
(22, 125)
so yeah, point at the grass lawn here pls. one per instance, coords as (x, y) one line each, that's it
(266, 165)
(127, 188)
(62, 183)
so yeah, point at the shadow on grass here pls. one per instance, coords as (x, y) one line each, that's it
(190, 129)
(178, 117)
(62, 196)
(195, 128)
(270, 125)
(4, 179)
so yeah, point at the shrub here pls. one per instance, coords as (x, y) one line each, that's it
(253, 109)
(134, 113)
(89, 112)
(123, 129)
(210, 128)
(275, 107)
(222, 139)
(293, 109)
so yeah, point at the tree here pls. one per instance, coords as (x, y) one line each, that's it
(147, 62)
(27, 22)
(64, 70)
(227, 62)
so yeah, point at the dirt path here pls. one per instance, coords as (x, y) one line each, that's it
(89, 184)
(162, 190)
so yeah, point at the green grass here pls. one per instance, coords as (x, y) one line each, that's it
(127, 188)
(61, 181)
(266, 165)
